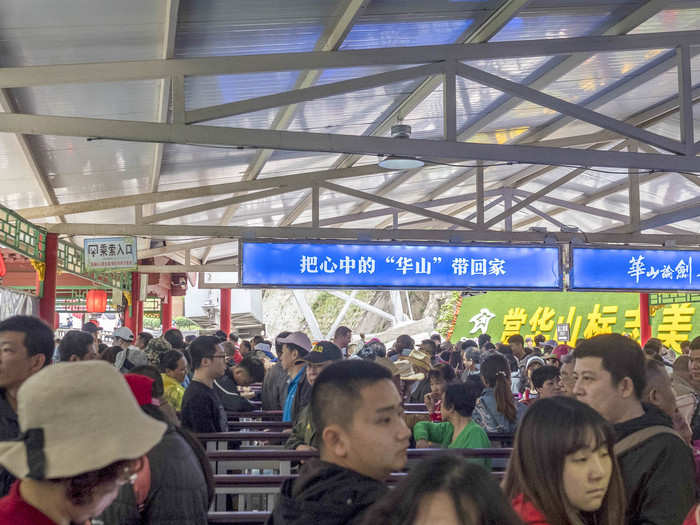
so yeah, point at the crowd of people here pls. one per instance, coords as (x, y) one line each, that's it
(603, 433)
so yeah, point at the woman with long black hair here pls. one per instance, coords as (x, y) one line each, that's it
(495, 410)
(563, 469)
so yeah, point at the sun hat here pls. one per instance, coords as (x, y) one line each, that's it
(322, 352)
(76, 418)
(124, 333)
(420, 360)
(389, 365)
(297, 338)
(406, 372)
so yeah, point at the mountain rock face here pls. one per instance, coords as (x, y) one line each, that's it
(282, 312)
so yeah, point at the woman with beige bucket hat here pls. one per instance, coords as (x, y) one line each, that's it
(82, 437)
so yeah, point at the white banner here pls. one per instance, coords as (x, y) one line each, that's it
(110, 253)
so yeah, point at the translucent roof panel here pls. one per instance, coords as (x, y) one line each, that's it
(186, 166)
(291, 162)
(531, 24)
(218, 28)
(367, 35)
(73, 31)
(671, 20)
(203, 91)
(351, 111)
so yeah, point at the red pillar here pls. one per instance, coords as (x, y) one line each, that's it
(166, 311)
(139, 319)
(47, 304)
(131, 314)
(644, 322)
(225, 305)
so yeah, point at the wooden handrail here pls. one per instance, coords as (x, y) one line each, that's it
(292, 455)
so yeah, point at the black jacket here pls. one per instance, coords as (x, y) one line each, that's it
(274, 388)
(659, 473)
(9, 429)
(227, 390)
(325, 494)
(301, 398)
(418, 395)
(178, 494)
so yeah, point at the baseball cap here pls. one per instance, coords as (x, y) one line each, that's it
(297, 338)
(534, 359)
(322, 352)
(124, 333)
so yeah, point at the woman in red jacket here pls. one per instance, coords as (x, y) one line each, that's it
(563, 470)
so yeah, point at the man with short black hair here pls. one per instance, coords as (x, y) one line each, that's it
(517, 344)
(657, 467)
(547, 381)
(77, 346)
(202, 410)
(342, 338)
(357, 412)
(26, 346)
(250, 370)
(483, 339)
(294, 348)
(233, 337)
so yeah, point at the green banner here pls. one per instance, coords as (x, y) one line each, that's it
(502, 314)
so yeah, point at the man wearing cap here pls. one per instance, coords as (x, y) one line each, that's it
(304, 435)
(294, 348)
(130, 357)
(83, 437)
(26, 345)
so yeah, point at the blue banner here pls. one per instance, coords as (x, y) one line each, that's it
(332, 265)
(652, 270)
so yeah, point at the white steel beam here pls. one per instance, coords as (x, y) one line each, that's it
(185, 268)
(559, 66)
(168, 50)
(341, 315)
(199, 191)
(238, 199)
(42, 181)
(400, 205)
(334, 143)
(685, 87)
(479, 35)
(542, 214)
(311, 93)
(28, 76)
(366, 234)
(182, 246)
(567, 108)
(308, 314)
(363, 305)
(330, 40)
(381, 212)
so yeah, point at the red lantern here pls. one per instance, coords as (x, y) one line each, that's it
(3, 269)
(96, 301)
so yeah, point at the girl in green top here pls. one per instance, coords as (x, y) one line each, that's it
(457, 429)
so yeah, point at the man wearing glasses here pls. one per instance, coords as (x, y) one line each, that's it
(202, 410)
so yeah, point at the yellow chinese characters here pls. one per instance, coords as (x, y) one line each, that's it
(676, 324)
(513, 321)
(601, 322)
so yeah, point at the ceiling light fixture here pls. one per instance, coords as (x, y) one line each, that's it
(393, 162)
